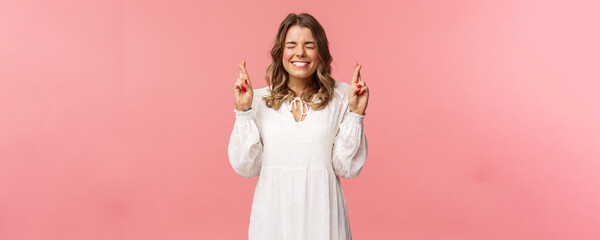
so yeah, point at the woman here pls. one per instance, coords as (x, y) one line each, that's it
(300, 134)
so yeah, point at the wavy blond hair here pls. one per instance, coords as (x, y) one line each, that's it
(323, 85)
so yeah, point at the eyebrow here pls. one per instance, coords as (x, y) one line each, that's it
(304, 42)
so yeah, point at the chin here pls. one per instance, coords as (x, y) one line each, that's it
(303, 76)
(296, 73)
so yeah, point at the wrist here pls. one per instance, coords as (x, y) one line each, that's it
(243, 114)
(355, 117)
(245, 109)
(357, 112)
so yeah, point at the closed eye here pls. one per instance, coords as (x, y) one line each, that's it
(306, 47)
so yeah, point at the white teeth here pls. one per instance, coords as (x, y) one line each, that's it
(299, 64)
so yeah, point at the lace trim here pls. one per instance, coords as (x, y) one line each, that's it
(355, 117)
(243, 114)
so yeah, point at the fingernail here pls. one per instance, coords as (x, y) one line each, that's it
(246, 80)
(358, 86)
(358, 92)
(243, 88)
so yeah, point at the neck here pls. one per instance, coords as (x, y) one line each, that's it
(298, 85)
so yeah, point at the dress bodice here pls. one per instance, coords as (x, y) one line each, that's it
(291, 144)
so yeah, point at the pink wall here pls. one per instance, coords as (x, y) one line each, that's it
(483, 121)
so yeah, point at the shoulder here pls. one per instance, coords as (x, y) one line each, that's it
(341, 89)
(260, 92)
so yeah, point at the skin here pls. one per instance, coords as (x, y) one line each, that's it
(301, 46)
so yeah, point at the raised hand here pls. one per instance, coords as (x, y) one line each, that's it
(242, 89)
(358, 95)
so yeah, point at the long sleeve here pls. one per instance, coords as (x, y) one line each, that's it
(350, 144)
(245, 145)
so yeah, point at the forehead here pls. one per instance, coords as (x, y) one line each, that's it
(299, 34)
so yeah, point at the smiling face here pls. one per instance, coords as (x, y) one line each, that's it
(300, 55)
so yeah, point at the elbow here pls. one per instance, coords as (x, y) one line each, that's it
(347, 171)
(349, 167)
(245, 166)
(350, 174)
(245, 170)
(246, 174)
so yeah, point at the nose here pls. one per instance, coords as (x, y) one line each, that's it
(300, 51)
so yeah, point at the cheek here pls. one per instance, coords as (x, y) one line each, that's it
(287, 55)
(314, 55)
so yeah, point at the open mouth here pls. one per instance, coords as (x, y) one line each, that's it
(301, 64)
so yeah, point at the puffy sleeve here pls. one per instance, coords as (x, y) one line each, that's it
(245, 145)
(350, 144)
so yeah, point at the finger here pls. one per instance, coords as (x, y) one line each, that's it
(238, 90)
(245, 87)
(359, 78)
(240, 85)
(237, 85)
(243, 68)
(244, 73)
(356, 73)
(248, 82)
(245, 82)
(364, 90)
(354, 90)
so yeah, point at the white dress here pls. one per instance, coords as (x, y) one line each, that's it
(298, 194)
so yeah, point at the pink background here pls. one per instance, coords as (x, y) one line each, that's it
(483, 121)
